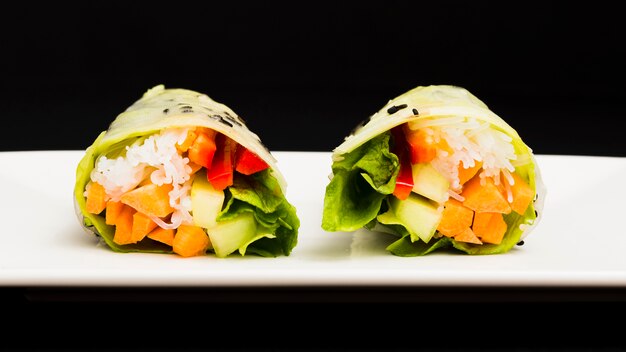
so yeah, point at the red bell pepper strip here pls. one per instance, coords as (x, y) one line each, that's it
(248, 162)
(220, 174)
(404, 180)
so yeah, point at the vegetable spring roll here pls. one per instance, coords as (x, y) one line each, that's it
(436, 168)
(180, 173)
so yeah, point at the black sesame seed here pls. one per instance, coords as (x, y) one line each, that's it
(415, 112)
(222, 120)
(536, 196)
(394, 109)
(232, 119)
(536, 213)
(165, 111)
(520, 243)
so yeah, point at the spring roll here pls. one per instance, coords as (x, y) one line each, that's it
(180, 173)
(438, 169)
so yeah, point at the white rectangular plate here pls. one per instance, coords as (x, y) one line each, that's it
(580, 241)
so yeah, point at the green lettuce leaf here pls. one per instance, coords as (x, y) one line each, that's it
(260, 194)
(361, 181)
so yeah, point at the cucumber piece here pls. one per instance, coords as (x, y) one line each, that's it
(418, 215)
(206, 201)
(228, 236)
(428, 182)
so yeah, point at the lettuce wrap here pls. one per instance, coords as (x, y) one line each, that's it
(438, 169)
(180, 173)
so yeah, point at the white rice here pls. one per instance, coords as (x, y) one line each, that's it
(155, 157)
(471, 141)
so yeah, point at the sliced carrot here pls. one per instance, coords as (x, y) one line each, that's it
(150, 199)
(191, 137)
(96, 196)
(493, 231)
(481, 223)
(113, 210)
(142, 225)
(522, 195)
(162, 235)
(422, 146)
(466, 174)
(484, 198)
(203, 148)
(467, 235)
(455, 219)
(124, 226)
(190, 241)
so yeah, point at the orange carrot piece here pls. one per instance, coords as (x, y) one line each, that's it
(494, 231)
(487, 198)
(203, 148)
(150, 199)
(162, 235)
(481, 223)
(95, 198)
(124, 226)
(455, 219)
(422, 146)
(190, 241)
(466, 174)
(113, 210)
(191, 137)
(522, 195)
(467, 235)
(142, 225)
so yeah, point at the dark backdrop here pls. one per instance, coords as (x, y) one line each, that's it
(303, 74)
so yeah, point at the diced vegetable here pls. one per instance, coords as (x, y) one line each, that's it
(429, 182)
(419, 215)
(467, 174)
(481, 222)
(162, 235)
(150, 199)
(96, 198)
(455, 219)
(203, 148)
(142, 225)
(247, 162)
(113, 210)
(422, 146)
(206, 201)
(467, 236)
(229, 235)
(522, 195)
(484, 198)
(191, 137)
(124, 226)
(491, 227)
(190, 241)
(404, 180)
(220, 174)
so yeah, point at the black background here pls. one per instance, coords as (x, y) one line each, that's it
(303, 74)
